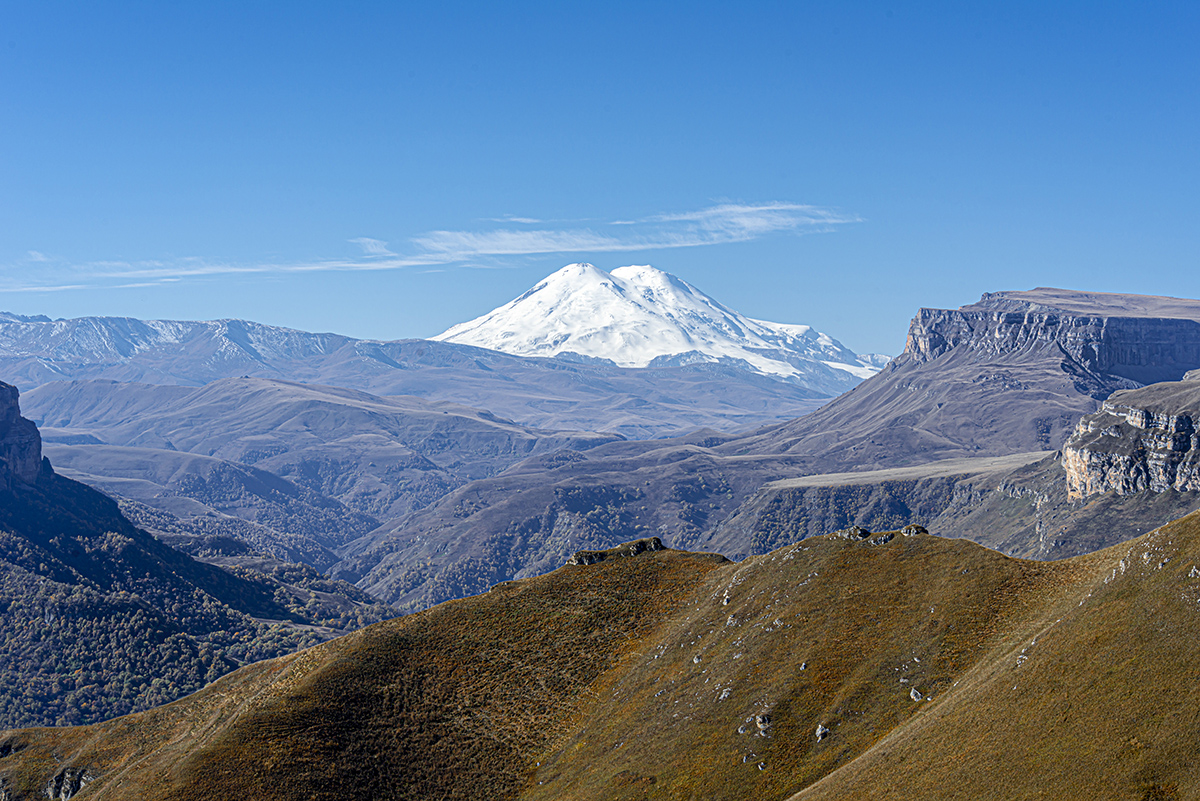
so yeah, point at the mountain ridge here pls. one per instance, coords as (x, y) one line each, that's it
(546, 393)
(972, 382)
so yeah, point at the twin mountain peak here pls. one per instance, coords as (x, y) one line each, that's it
(637, 316)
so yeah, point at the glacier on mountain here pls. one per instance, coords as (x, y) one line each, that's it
(638, 316)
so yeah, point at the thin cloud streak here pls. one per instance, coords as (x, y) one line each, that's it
(372, 247)
(721, 224)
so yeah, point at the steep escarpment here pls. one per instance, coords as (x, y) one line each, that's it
(1011, 373)
(1103, 338)
(1140, 440)
(20, 442)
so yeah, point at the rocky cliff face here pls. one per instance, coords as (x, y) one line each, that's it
(20, 442)
(1010, 373)
(1139, 440)
(1103, 350)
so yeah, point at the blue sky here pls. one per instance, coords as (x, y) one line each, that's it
(388, 169)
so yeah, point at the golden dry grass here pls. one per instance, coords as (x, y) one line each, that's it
(641, 678)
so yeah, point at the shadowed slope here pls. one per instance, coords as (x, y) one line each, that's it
(449, 703)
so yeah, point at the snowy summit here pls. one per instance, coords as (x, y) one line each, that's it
(638, 316)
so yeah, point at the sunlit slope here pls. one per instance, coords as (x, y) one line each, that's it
(832, 633)
(1100, 698)
(931, 668)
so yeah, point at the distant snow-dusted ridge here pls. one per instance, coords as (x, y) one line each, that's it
(638, 316)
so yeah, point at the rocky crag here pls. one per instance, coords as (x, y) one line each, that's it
(1104, 339)
(20, 442)
(1139, 440)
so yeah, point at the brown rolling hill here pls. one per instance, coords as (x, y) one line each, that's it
(843, 666)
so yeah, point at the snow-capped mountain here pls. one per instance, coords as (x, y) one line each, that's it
(638, 316)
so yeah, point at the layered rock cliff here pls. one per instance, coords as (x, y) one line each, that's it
(1107, 342)
(20, 442)
(1008, 374)
(1142, 439)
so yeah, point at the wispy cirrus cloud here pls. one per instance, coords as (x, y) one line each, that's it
(512, 218)
(724, 223)
(372, 247)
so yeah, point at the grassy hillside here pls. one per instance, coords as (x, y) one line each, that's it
(905, 667)
(451, 703)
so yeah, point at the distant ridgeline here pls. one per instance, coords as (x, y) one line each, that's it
(1009, 377)
(671, 396)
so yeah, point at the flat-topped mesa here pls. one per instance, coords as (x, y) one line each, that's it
(20, 442)
(1113, 340)
(1142, 439)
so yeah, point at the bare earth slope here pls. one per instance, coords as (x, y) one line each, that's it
(907, 666)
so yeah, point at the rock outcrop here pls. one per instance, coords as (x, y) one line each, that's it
(1142, 439)
(1115, 342)
(67, 783)
(20, 442)
(1010, 373)
(645, 545)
